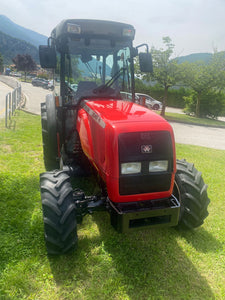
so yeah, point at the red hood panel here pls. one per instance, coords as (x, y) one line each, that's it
(114, 111)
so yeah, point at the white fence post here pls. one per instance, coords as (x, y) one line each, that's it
(12, 102)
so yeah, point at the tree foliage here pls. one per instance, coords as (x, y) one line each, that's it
(207, 81)
(212, 104)
(24, 62)
(166, 70)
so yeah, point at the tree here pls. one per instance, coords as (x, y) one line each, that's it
(1, 64)
(24, 62)
(166, 70)
(204, 79)
(198, 77)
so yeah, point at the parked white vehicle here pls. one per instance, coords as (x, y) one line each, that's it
(149, 102)
(128, 96)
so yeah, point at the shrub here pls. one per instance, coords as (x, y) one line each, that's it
(212, 104)
(43, 76)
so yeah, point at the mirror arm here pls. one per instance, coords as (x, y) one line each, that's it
(142, 45)
(50, 41)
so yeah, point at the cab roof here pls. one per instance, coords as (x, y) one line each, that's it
(96, 28)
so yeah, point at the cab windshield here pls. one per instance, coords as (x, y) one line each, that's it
(94, 68)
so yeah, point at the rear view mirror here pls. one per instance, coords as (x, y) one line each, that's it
(145, 61)
(47, 57)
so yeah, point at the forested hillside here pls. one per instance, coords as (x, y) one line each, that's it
(10, 47)
(14, 30)
(191, 58)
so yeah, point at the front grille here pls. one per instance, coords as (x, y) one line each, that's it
(159, 144)
(140, 184)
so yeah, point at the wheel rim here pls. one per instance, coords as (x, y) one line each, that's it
(177, 194)
(176, 191)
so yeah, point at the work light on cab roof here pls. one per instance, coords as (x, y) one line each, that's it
(73, 28)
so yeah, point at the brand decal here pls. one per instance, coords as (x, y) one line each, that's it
(94, 115)
(146, 148)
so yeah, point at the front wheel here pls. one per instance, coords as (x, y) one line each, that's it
(59, 212)
(191, 191)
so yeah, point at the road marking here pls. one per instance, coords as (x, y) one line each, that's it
(2, 111)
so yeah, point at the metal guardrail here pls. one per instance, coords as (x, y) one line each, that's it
(12, 102)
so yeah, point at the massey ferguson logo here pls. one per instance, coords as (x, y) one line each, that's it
(146, 148)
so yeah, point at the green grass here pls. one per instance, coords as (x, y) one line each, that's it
(174, 117)
(148, 264)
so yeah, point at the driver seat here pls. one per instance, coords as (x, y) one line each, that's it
(85, 87)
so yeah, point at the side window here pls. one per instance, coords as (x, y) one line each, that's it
(124, 64)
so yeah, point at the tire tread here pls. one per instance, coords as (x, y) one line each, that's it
(193, 195)
(59, 212)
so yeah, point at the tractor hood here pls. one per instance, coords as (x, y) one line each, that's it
(113, 131)
(120, 111)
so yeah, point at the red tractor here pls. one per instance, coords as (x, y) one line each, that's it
(89, 131)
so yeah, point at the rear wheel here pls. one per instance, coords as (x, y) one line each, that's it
(191, 191)
(49, 134)
(59, 212)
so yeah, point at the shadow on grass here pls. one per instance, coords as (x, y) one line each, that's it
(12, 125)
(147, 264)
(201, 240)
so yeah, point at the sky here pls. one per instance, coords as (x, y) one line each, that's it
(193, 25)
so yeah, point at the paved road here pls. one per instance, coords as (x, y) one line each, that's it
(184, 134)
(34, 97)
(4, 90)
(209, 137)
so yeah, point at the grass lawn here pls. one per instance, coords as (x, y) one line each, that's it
(182, 118)
(148, 264)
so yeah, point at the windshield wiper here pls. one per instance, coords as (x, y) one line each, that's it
(105, 87)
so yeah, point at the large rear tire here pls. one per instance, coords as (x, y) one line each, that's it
(191, 191)
(49, 134)
(59, 212)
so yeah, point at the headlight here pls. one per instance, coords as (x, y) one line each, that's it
(158, 166)
(131, 168)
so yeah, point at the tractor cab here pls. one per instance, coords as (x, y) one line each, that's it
(92, 59)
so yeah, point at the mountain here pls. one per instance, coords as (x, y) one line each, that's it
(195, 57)
(10, 47)
(15, 39)
(12, 29)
